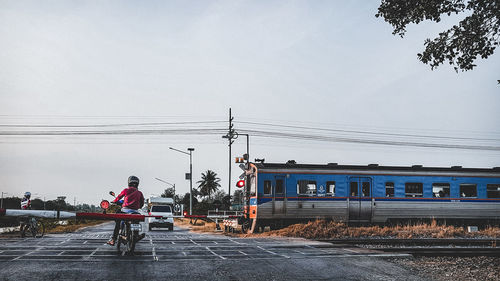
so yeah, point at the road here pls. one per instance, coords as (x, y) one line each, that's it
(183, 255)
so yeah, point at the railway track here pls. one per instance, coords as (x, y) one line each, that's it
(417, 241)
(445, 251)
(461, 247)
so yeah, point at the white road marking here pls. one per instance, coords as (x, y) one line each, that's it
(215, 253)
(349, 250)
(234, 241)
(155, 257)
(24, 255)
(265, 250)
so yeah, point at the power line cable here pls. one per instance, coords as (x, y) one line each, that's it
(255, 133)
(363, 132)
(109, 125)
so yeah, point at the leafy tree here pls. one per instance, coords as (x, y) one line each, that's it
(37, 204)
(477, 35)
(238, 196)
(168, 193)
(209, 183)
(219, 195)
(185, 201)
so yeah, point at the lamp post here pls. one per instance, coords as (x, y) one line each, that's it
(190, 176)
(172, 185)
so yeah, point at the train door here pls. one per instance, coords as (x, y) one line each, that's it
(360, 199)
(279, 195)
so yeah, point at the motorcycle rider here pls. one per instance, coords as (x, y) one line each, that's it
(133, 201)
(25, 205)
(26, 202)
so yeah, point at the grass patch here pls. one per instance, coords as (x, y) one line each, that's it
(52, 226)
(196, 225)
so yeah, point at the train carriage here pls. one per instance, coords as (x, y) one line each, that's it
(280, 194)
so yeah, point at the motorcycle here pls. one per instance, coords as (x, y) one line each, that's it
(128, 235)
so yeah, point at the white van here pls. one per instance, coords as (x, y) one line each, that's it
(158, 206)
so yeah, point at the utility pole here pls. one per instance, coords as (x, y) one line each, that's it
(230, 137)
(1, 202)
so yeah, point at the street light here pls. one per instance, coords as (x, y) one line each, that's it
(173, 185)
(190, 176)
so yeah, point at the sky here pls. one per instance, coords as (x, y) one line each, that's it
(330, 69)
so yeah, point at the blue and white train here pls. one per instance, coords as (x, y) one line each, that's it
(280, 194)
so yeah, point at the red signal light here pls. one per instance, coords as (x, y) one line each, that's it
(185, 213)
(240, 183)
(104, 204)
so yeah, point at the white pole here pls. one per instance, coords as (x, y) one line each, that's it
(39, 214)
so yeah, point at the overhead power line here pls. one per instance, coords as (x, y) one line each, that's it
(274, 134)
(107, 125)
(364, 132)
(202, 131)
(263, 130)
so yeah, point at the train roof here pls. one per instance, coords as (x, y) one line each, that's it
(291, 165)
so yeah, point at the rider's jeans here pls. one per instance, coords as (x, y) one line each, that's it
(117, 222)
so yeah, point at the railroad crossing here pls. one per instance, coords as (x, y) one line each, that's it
(185, 255)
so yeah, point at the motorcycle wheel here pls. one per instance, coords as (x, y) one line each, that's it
(23, 230)
(37, 229)
(124, 230)
(131, 243)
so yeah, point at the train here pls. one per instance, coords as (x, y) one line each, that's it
(279, 194)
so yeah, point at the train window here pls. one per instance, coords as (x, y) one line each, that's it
(267, 187)
(493, 190)
(306, 188)
(389, 189)
(279, 187)
(354, 188)
(414, 189)
(330, 188)
(440, 190)
(468, 190)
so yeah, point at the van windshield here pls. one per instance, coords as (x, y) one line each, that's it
(161, 209)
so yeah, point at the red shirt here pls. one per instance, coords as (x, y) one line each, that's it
(133, 198)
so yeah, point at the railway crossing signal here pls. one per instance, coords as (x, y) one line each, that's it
(240, 183)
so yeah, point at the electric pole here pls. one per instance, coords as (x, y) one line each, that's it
(230, 137)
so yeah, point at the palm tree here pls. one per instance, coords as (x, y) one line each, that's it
(209, 183)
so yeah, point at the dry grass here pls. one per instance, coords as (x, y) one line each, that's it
(199, 226)
(321, 229)
(71, 227)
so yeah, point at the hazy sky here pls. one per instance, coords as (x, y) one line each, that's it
(312, 64)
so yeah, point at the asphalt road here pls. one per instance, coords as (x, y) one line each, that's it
(182, 255)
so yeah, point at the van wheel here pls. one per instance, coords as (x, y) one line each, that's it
(171, 228)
